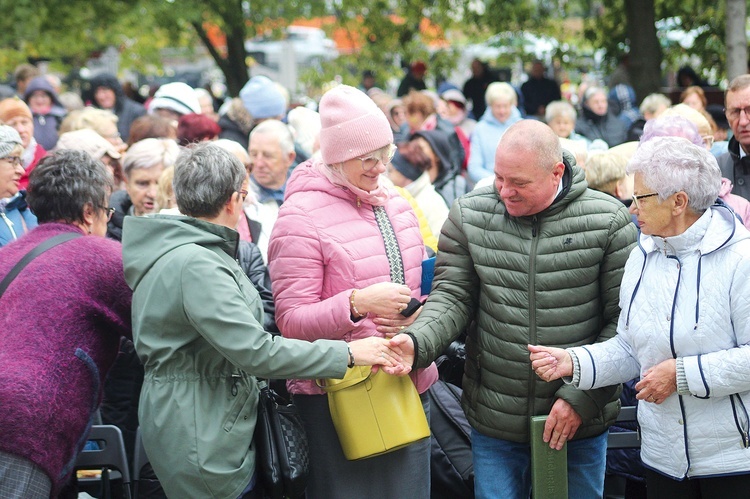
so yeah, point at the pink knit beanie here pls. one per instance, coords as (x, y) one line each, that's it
(351, 125)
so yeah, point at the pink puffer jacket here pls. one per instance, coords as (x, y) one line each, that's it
(324, 244)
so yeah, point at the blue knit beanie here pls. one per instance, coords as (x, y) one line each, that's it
(262, 99)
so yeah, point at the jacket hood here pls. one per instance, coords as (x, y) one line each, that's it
(515, 115)
(110, 81)
(440, 144)
(41, 83)
(146, 239)
(723, 230)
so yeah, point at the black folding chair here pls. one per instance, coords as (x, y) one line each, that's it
(624, 439)
(110, 454)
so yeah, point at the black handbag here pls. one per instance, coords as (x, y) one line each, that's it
(282, 453)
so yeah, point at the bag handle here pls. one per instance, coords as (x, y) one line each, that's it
(35, 252)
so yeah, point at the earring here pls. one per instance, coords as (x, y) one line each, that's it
(89, 228)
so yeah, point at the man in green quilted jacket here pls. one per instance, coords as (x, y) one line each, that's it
(537, 258)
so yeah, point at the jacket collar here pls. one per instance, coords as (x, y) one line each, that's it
(715, 229)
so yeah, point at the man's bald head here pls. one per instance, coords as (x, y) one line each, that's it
(533, 135)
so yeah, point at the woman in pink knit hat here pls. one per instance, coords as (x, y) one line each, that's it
(345, 259)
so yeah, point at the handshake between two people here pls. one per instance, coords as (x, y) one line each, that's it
(393, 355)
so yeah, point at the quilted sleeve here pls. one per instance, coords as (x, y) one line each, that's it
(297, 267)
(453, 299)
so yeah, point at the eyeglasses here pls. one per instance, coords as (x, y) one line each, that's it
(708, 140)
(13, 160)
(243, 193)
(110, 212)
(733, 113)
(370, 162)
(638, 197)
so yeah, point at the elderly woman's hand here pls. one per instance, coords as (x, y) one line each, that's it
(391, 325)
(658, 382)
(550, 363)
(381, 299)
(375, 351)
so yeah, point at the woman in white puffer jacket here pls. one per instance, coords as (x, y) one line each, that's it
(684, 328)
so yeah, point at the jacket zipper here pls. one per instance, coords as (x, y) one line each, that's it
(533, 340)
(741, 428)
(9, 223)
(236, 377)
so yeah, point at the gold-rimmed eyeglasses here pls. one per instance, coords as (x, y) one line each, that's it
(638, 197)
(243, 194)
(385, 157)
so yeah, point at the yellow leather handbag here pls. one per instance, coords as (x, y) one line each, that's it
(375, 413)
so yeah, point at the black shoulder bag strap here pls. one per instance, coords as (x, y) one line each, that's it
(28, 257)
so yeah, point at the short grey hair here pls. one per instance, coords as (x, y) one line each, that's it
(500, 91)
(64, 182)
(148, 153)
(674, 164)
(652, 102)
(740, 82)
(205, 177)
(592, 91)
(279, 130)
(560, 109)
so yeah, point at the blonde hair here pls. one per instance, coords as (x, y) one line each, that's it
(89, 117)
(500, 91)
(605, 170)
(690, 114)
(164, 190)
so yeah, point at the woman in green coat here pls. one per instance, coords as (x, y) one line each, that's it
(197, 328)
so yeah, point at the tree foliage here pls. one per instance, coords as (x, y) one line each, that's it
(388, 33)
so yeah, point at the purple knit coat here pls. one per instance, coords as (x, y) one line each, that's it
(61, 321)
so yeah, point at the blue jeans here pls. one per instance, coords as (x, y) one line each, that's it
(503, 468)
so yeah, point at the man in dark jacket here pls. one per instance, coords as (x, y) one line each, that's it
(536, 256)
(107, 93)
(597, 121)
(538, 91)
(735, 163)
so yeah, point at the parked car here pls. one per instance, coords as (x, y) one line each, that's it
(309, 46)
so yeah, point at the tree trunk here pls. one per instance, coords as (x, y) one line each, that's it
(736, 40)
(234, 65)
(644, 65)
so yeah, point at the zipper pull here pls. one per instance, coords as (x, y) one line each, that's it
(236, 377)
(745, 440)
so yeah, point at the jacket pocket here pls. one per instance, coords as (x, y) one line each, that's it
(741, 420)
(241, 394)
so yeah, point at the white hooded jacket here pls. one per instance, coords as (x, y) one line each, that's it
(686, 297)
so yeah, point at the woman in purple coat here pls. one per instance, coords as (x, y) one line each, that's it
(60, 327)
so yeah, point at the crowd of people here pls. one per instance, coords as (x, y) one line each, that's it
(184, 248)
